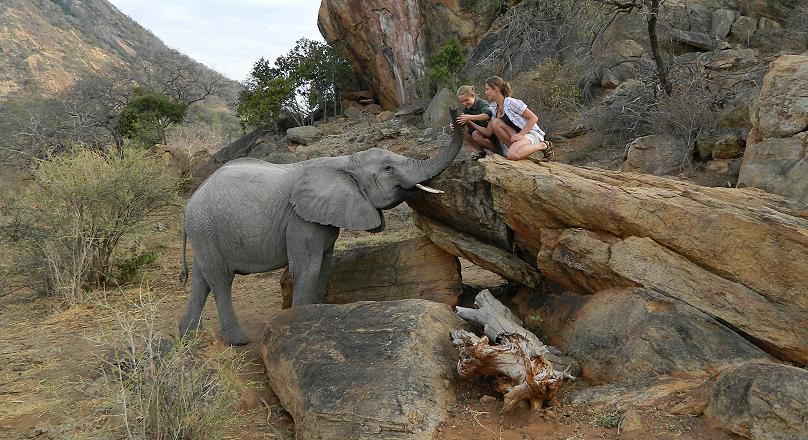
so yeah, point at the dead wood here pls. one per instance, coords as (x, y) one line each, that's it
(519, 359)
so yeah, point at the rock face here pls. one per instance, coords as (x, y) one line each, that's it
(639, 334)
(413, 268)
(389, 41)
(761, 401)
(736, 255)
(776, 157)
(365, 370)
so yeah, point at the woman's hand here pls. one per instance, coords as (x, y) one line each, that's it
(517, 137)
(463, 119)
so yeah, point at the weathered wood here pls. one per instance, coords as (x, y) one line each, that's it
(519, 360)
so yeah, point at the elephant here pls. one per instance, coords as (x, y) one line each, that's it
(252, 216)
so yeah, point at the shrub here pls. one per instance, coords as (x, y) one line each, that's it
(444, 66)
(129, 268)
(551, 90)
(66, 229)
(159, 389)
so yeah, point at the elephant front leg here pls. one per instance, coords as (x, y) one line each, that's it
(310, 251)
(325, 273)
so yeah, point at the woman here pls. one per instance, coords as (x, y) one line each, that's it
(513, 123)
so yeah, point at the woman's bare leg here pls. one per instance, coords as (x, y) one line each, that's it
(503, 131)
(523, 148)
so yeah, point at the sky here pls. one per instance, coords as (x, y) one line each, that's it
(228, 36)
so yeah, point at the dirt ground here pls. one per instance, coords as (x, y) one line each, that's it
(48, 359)
(49, 354)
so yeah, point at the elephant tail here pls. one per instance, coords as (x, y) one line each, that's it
(184, 273)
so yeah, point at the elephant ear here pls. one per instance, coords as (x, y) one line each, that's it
(329, 196)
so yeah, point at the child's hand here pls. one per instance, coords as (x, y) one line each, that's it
(463, 119)
(517, 137)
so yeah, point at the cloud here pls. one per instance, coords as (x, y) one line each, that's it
(227, 36)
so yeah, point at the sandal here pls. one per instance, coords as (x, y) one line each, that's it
(549, 152)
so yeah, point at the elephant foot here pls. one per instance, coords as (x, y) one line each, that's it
(235, 336)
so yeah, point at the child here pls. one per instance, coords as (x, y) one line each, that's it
(475, 117)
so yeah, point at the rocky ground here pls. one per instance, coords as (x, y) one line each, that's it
(50, 359)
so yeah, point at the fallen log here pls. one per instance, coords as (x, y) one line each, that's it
(519, 360)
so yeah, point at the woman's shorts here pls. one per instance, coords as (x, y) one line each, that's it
(534, 138)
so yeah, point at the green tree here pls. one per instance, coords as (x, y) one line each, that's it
(148, 115)
(307, 81)
(444, 66)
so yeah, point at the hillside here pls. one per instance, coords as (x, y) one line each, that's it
(46, 46)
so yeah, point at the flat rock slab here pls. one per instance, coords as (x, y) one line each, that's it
(366, 370)
(414, 268)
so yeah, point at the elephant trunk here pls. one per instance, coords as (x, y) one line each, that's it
(422, 170)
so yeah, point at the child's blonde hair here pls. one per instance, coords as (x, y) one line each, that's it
(466, 91)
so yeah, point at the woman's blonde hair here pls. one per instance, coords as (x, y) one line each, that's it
(500, 84)
(466, 91)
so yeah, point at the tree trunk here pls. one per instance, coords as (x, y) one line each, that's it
(662, 72)
(520, 360)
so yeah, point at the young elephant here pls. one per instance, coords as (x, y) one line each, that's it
(252, 216)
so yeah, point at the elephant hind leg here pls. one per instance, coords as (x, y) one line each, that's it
(222, 284)
(192, 319)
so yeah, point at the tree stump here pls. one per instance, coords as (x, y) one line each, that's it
(519, 359)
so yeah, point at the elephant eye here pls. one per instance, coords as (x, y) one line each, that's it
(388, 169)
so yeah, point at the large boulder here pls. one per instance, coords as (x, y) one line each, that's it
(781, 110)
(304, 135)
(776, 157)
(761, 401)
(389, 41)
(365, 370)
(737, 255)
(436, 115)
(411, 268)
(722, 20)
(657, 154)
(634, 333)
(743, 28)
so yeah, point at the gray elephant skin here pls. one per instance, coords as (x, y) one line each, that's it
(253, 216)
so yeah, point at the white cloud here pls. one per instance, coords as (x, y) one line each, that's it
(228, 36)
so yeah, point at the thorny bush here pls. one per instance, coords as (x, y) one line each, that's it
(65, 229)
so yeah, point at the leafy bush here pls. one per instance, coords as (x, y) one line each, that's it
(148, 115)
(444, 66)
(67, 228)
(160, 389)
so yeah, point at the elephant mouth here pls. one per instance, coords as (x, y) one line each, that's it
(428, 189)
